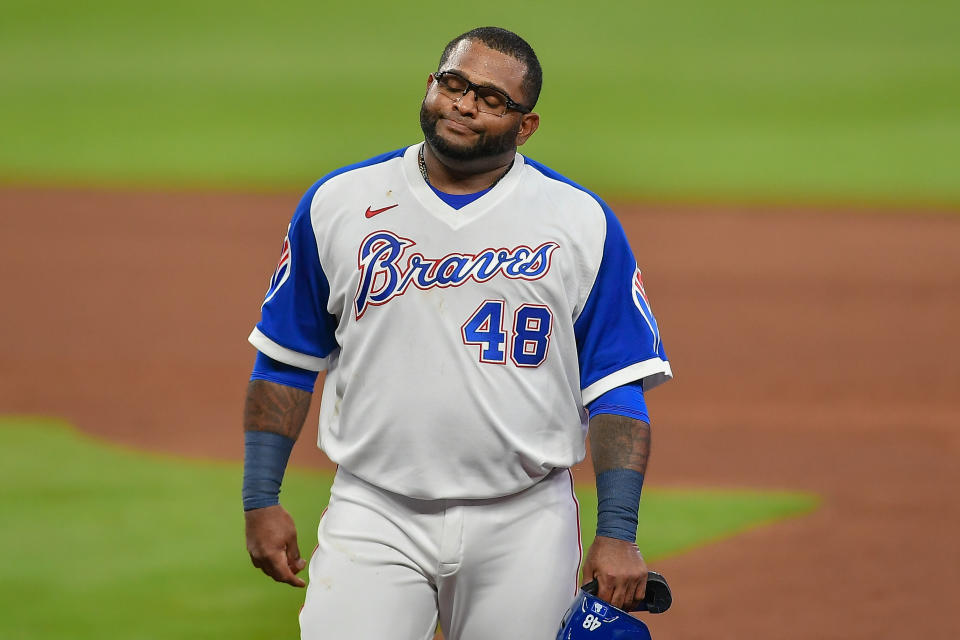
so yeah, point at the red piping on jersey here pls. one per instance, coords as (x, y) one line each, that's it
(576, 576)
(313, 553)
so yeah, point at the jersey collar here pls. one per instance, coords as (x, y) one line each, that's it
(457, 218)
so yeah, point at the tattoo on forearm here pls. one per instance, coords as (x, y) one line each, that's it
(275, 407)
(618, 442)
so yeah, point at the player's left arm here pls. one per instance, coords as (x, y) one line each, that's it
(621, 358)
(620, 448)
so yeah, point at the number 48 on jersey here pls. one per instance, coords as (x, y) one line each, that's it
(528, 339)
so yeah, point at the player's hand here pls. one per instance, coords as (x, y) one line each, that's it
(272, 544)
(619, 569)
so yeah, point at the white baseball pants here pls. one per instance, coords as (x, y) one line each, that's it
(388, 566)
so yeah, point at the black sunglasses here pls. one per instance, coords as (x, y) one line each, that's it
(489, 100)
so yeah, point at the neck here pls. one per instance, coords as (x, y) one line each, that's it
(460, 177)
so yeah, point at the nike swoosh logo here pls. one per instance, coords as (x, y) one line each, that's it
(372, 212)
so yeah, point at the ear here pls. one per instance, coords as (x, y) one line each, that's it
(529, 123)
(430, 81)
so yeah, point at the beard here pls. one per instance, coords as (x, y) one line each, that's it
(487, 146)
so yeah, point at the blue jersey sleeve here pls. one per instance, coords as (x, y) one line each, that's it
(266, 368)
(295, 327)
(618, 339)
(626, 400)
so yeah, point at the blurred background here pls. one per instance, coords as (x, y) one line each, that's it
(743, 100)
(788, 174)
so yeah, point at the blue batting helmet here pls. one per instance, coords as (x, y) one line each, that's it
(591, 618)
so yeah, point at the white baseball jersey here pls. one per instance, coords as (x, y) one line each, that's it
(460, 345)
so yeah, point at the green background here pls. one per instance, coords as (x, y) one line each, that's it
(846, 101)
(791, 101)
(104, 542)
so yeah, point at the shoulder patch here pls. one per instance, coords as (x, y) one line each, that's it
(282, 272)
(639, 295)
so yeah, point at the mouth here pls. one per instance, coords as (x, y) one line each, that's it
(457, 126)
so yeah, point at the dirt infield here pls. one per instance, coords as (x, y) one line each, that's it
(813, 350)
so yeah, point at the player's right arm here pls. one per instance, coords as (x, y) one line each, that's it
(273, 417)
(293, 338)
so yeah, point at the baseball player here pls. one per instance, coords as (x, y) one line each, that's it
(474, 312)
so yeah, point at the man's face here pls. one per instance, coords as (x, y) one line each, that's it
(456, 128)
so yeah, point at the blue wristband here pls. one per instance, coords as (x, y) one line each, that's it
(618, 501)
(265, 456)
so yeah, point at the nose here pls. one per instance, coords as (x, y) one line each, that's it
(466, 103)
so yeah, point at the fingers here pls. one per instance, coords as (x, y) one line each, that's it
(610, 588)
(294, 562)
(272, 544)
(620, 571)
(275, 565)
(605, 588)
(639, 593)
(622, 591)
(618, 591)
(623, 594)
(589, 573)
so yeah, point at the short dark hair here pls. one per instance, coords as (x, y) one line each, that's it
(511, 44)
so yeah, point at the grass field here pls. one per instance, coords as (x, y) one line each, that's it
(796, 100)
(104, 542)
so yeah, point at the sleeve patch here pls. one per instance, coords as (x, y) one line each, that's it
(282, 272)
(642, 303)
